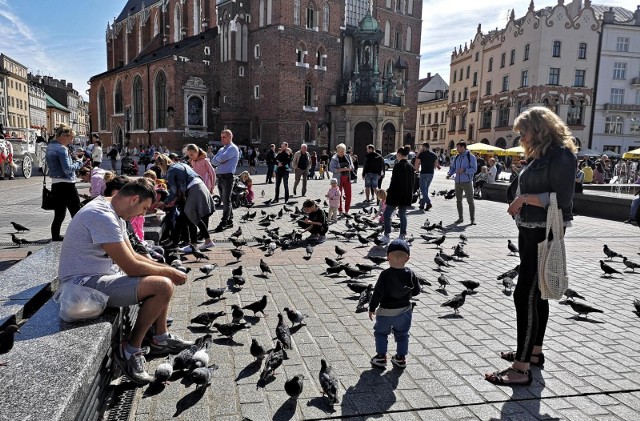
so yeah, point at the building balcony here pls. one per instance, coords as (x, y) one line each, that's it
(630, 108)
(635, 81)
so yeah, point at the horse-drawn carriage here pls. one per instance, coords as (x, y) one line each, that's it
(22, 153)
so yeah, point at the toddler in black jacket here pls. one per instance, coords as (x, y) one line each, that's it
(391, 297)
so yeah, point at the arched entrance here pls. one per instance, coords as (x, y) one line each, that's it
(409, 140)
(362, 136)
(501, 143)
(485, 141)
(388, 139)
(451, 145)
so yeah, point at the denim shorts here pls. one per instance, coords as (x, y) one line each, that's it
(371, 180)
(121, 289)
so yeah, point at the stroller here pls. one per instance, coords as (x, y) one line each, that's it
(238, 195)
(129, 166)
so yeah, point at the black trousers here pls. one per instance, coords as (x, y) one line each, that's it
(269, 173)
(225, 187)
(532, 312)
(282, 177)
(66, 196)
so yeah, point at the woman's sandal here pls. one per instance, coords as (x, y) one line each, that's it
(498, 377)
(511, 357)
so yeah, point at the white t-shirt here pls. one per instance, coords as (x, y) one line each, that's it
(493, 171)
(96, 154)
(82, 254)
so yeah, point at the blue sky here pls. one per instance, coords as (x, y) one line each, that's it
(66, 39)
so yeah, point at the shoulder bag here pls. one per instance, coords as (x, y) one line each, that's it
(552, 259)
(48, 201)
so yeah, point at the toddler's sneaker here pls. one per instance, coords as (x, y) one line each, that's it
(398, 361)
(379, 360)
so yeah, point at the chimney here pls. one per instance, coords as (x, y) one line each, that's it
(429, 75)
(70, 85)
(609, 16)
(636, 16)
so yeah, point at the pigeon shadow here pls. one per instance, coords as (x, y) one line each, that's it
(251, 369)
(261, 275)
(211, 301)
(155, 388)
(199, 329)
(200, 278)
(322, 404)
(307, 258)
(507, 293)
(296, 328)
(235, 262)
(442, 292)
(451, 316)
(252, 320)
(227, 342)
(352, 298)
(189, 400)
(584, 319)
(286, 411)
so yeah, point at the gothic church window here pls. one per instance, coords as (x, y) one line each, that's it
(308, 94)
(296, 12)
(160, 103)
(261, 13)
(398, 39)
(410, 7)
(137, 103)
(387, 34)
(311, 18)
(156, 25)
(117, 98)
(102, 110)
(177, 24)
(197, 19)
(408, 43)
(321, 58)
(325, 18)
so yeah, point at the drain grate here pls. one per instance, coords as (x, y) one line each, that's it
(120, 401)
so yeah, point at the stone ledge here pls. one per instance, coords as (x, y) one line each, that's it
(53, 364)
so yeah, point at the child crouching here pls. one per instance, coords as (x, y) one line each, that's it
(392, 293)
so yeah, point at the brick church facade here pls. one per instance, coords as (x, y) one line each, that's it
(314, 71)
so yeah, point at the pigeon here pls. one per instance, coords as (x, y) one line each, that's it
(363, 240)
(328, 382)
(237, 233)
(440, 262)
(636, 304)
(183, 269)
(237, 254)
(423, 281)
(207, 269)
(215, 293)
(511, 273)
(238, 281)
(264, 223)
(438, 241)
(295, 316)
(293, 386)
(164, 371)
(237, 314)
(459, 252)
(340, 252)
(257, 351)
(512, 247)
(631, 265)
(463, 238)
(283, 333)
(257, 306)
(199, 255)
(365, 297)
(456, 302)
(608, 270)
(18, 241)
(309, 250)
(264, 268)
(353, 273)
(7, 339)
(357, 287)
(272, 362)
(582, 308)
(450, 194)
(443, 281)
(470, 285)
(378, 260)
(230, 329)
(446, 257)
(238, 243)
(182, 361)
(366, 268)
(19, 228)
(610, 253)
(571, 294)
(201, 357)
(206, 319)
(335, 270)
(202, 375)
(237, 271)
(507, 283)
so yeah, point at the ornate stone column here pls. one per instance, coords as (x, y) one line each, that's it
(378, 137)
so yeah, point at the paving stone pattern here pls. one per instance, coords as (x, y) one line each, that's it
(592, 364)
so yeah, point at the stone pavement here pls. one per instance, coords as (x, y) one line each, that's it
(592, 364)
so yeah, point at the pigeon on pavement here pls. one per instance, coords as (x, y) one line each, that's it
(264, 268)
(283, 333)
(202, 375)
(582, 308)
(206, 319)
(164, 371)
(357, 287)
(294, 386)
(631, 265)
(571, 294)
(512, 247)
(230, 329)
(19, 228)
(207, 269)
(237, 314)
(7, 339)
(328, 382)
(365, 298)
(443, 281)
(507, 283)
(331, 262)
(456, 302)
(215, 293)
(610, 253)
(340, 252)
(257, 351)
(440, 262)
(470, 285)
(272, 362)
(295, 316)
(182, 361)
(201, 357)
(608, 270)
(511, 273)
(237, 271)
(257, 306)
(237, 254)
(18, 241)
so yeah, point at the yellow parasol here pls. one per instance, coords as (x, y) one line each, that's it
(481, 148)
(515, 151)
(634, 154)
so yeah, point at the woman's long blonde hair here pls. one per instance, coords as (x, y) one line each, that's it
(545, 129)
(163, 161)
(195, 148)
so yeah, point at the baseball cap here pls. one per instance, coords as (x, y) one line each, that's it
(399, 245)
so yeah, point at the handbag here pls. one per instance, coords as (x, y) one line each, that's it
(48, 201)
(552, 259)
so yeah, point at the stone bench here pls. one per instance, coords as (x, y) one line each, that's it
(596, 204)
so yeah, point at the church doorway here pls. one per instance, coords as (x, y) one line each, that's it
(362, 136)
(388, 139)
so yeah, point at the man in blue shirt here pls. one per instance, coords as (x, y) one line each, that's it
(226, 161)
(463, 168)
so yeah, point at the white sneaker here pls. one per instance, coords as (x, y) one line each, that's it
(384, 239)
(186, 249)
(207, 246)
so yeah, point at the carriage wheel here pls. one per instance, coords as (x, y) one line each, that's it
(27, 164)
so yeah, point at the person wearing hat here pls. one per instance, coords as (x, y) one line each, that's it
(391, 305)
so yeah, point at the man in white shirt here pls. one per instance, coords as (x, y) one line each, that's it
(96, 154)
(493, 170)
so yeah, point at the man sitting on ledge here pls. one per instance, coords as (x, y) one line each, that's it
(96, 240)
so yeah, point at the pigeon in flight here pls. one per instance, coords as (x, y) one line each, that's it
(328, 382)
(608, 270)
(512, 248)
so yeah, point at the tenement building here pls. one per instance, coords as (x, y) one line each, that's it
(547, 57)
(616, 124)
(433, 102)
(314, 71)
(16, 94)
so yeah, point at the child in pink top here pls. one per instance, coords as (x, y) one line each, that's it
(201, 165)
(137, 222)
(382, 199)
(250, 193)
(334, 197)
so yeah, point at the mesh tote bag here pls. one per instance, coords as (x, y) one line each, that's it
(552, 259)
